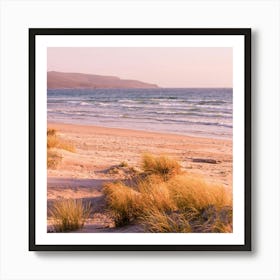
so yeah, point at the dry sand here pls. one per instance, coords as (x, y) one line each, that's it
(99, 150)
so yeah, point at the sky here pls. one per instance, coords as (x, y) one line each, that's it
(166, 67)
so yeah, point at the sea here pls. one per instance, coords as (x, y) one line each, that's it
(203, 112)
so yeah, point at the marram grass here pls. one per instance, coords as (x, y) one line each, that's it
(69, 214)
(167, 200)
(160, 165)
(53, 159)
(55, 143)
(123, 202)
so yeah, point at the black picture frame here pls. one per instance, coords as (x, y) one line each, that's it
(246, 32)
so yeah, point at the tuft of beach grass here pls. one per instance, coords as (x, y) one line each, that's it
(69, 214)
(53, 159)
(160, 165)
(54, 143)
(122, 202)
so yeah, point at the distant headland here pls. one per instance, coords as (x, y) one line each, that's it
(58, 80)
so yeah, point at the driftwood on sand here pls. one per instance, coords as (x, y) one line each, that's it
(205, 160)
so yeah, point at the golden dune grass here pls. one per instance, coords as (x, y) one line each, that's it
(54, 143)
(69, 214)
(155, 220)
(161, 165)
(172, 203)
(123, 202)
(51, 132)
(155, 194)
(53, 159)
(190, 192)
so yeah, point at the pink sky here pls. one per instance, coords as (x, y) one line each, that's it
(166, 67)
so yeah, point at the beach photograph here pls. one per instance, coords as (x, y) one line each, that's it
(139, 140)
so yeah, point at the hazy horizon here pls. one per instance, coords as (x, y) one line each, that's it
(186, 67)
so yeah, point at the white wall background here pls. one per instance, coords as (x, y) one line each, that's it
(17, 262)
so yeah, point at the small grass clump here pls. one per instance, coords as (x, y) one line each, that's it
(51, 132)
(122, 202)
(53, 159)
(193, 193)
(54, 141)
(155, 194)
(161, 165)
(69, 214)
(161, 222)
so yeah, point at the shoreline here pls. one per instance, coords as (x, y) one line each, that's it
(140, 130)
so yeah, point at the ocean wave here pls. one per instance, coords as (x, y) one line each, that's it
(161, 115)
(73, 101)
(102, 104)
(164, 98)
(177, 121)
(172, 104)
(193, 122)
(127, 101)
(196, 114)
(212, 102)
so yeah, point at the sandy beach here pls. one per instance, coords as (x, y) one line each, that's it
(99, 152)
